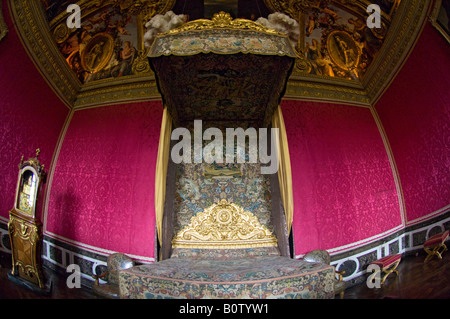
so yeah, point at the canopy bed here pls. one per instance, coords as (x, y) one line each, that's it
(223, 229)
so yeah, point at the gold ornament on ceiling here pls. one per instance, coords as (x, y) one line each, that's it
(335, 41)
(146, 8)
(401, 22)
(3, 27)
(109, 42)
(294, 8)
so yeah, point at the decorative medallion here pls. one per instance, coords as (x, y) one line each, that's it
(52, 46)
(108, 44)
(98, 52)
(224, 226)
(343, 50)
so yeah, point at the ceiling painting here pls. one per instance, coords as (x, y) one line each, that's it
(109, 42)
(335, 39)
(340, 59)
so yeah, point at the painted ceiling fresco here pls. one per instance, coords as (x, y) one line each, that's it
(109, 44)
(335, 40)
(338, 43)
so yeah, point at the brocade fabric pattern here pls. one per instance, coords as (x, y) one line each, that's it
(257, 278)
(415, 112)
(196, 191)
(103, 186)
(31, 115)
(222, 41)
(343, 185)
(235, 88)
(194, 253)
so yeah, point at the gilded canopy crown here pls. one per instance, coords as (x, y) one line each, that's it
(223, 20)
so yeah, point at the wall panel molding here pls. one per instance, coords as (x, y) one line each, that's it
(390, 154)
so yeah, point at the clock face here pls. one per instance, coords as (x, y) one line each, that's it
(24, 203)
(27, 192)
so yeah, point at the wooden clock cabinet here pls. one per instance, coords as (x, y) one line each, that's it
(25, 227)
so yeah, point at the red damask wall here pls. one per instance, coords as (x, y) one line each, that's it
(31, 116)
(102, 193)
(343, 184)
(415, 112)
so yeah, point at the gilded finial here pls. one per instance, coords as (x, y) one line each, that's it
(38, 151)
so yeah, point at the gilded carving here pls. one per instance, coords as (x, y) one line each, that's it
(32, 27)
(438, 17)
(224, 225)
(146, 8)
(3, 27)
(343, 50)
(140, 64)
(404, 17)
(294, 8)
(98, 52)
(319, 18)
(61, 33)
(222, 20)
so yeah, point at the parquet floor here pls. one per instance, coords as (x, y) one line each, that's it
(11, 290)
(417, 280)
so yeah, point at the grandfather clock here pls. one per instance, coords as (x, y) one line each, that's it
(25, 227)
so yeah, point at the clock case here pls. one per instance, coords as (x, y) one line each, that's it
(25, 227)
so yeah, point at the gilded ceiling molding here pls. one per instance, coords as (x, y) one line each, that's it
(31, 28)
(136, 88)
(317, 88)
(403, 35)
(3, 27)
(404, 23)
(33, 31)
(145, 8)
(40, 45)
(434, 17)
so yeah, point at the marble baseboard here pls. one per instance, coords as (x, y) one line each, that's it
(57, 255)
(406, 241)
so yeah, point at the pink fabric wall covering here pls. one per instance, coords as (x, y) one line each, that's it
(415, 113)
(103, 187)
(31, 116)
(343, 185)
